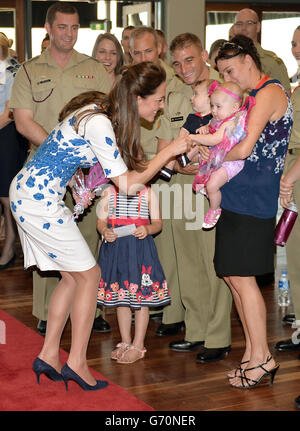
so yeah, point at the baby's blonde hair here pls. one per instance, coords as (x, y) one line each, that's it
(208, 82)
(234, 88)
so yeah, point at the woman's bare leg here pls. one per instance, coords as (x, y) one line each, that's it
(237, 300)
(254, 311)
(82, 316)
(58, 313)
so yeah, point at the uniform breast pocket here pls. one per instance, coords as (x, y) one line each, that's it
(84, 83)
(42, 90)
(179, 107)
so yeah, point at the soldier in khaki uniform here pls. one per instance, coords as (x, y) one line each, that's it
(144, 46)
(293, 243)
(198, 297)
(247, 23)
(43, 85)
(292, 246)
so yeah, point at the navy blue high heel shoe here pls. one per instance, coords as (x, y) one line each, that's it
(68, 374)
(41, 367)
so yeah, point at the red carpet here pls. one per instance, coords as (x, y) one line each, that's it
(19, 390)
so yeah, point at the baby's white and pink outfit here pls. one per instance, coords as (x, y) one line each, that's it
(234, 133)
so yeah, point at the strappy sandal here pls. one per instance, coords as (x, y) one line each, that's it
(238, 369)
(118, 352)
(248, 383)
(140, 354)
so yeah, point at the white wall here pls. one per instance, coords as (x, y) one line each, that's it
(185, 16)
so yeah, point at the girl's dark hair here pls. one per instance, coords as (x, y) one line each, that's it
(239, 45)
(121, 107)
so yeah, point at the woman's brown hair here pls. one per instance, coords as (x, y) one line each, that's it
(114, 40)
(121, 107)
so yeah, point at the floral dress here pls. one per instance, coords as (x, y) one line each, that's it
(131, 273)
(49, 234)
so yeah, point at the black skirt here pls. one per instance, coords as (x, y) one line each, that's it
(244, 245)
(13, 153)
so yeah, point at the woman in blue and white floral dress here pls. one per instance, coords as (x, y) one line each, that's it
(91, 127)
(245, 231)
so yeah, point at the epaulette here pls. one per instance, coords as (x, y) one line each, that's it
(13, 66)
(31, 59)
(277, 59)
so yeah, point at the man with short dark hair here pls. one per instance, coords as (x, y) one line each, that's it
(198, 296)
(125, 43)
(247, 23)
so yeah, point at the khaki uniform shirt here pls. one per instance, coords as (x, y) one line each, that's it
(295, 134)
(274, 67)
(44, 88)
(178, 106)
(149, 131)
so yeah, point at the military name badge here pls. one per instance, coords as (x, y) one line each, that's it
(43, 80)
(177, 117)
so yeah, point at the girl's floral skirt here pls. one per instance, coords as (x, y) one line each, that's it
(131, 274)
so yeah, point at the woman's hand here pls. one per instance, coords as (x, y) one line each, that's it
(189, 169)
(109, 235)
(86, 199)
(180, 145)
(141, 232)
(204, 152)
(286, 192)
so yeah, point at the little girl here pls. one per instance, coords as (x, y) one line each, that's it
(132, 276)
(227, 128)
(200, 116)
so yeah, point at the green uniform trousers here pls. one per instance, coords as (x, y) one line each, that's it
(44, 283)
(198, 297)
(293, 245)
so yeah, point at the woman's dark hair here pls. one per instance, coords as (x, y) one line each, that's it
(239, 45)
(121, 107)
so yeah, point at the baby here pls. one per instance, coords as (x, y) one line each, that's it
(227, 128)
(200, 116)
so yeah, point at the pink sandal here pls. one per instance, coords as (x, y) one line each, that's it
(140, 355)
(211, 218)
(118, 352)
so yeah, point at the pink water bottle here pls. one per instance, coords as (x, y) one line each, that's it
(285, 224)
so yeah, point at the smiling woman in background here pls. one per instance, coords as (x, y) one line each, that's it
(108, 51)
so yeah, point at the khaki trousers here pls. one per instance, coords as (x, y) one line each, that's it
(293, 246)
(198, 296)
